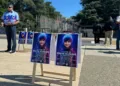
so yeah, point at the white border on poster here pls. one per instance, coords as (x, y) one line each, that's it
(79, 49)
(51, 56)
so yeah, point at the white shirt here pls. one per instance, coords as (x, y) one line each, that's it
(118, 19)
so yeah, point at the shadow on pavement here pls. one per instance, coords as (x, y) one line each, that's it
(111, 52)
(15, 84)
(2, 51)
(19, 78)
(52, 80)
(97, 49)
(26, 80)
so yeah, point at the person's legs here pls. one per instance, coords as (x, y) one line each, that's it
(110, 36)
(117, 44)
(95, 38)
(98, 38)
(13, 32)
(106, 35)
(118, 40)
(8, 35)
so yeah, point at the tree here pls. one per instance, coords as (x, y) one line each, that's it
(98, 10)
(92, 11)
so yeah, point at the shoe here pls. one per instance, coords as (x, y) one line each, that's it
(7, 50)
(11, 52)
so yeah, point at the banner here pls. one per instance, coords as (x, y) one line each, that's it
(66, 50)
(30, 37)
(41, 48)
(22, 37)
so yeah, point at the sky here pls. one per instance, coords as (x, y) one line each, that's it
(67, 8)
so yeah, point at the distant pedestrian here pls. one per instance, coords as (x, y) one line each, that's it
(10, 19)
(118, 33)
(108, 29)
(97, 32)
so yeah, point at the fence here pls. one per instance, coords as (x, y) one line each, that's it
(47, 24)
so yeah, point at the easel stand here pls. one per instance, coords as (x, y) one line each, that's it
(19, 47)
(72, 75)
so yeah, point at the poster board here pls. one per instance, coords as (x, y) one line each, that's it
(66, 50)
(41, 48)
(30, 36)
(22, 37)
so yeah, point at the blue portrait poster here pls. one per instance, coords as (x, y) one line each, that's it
(30, 37)
(66, 50)
(22, 37)
(41, 48)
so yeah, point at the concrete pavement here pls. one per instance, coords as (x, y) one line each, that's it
(100, 66)
(16, 70)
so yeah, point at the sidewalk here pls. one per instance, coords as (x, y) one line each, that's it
(100, 67)
(3, 36)
(16, 70)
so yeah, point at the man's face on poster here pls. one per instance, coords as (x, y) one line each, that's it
(31, 36)
(22, 35)
(67, 44)
(42, 42)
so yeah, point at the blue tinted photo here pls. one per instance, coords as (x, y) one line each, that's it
(30, 37)
(41, 48)
(66, 52)
(22, 38)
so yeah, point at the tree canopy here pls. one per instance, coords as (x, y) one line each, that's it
(97, 10)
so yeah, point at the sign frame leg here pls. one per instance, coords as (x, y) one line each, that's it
(23, 47)
(34, 72)
(41, 66)
(74, 74)
(71, 76)
(18, 47)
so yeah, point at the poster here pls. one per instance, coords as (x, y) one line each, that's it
(41, 48)
(30, 37)
(66, 50)
(22, 37)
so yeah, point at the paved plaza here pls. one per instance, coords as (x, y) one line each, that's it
(100, 66)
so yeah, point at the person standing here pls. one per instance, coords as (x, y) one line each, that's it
(108, 29)
(118, 33)
(9, 20)
(97, 31)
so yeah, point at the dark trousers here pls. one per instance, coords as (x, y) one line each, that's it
(96, 38)
(11, 37)
(118, 40)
